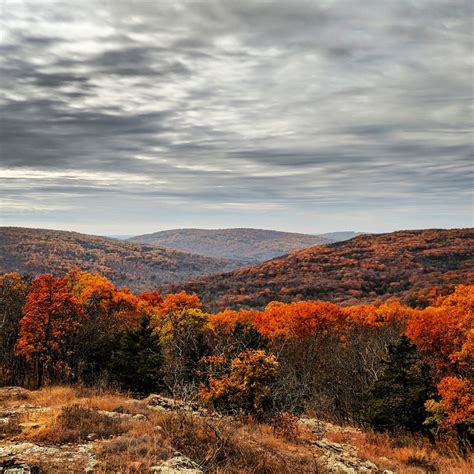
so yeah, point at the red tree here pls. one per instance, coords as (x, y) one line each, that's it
(51, 319)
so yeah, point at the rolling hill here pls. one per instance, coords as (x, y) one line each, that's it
(339, 236)
(251, 245)
(138, 266)
(366, 268)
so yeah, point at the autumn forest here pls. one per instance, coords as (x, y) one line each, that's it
(390, 366)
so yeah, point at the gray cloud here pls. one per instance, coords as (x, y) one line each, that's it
(309, 116)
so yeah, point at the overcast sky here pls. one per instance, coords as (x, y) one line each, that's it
(125, 117)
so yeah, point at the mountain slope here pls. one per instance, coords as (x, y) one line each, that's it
(339, 236)
(365, 268)
(35, 251)
(252, 245)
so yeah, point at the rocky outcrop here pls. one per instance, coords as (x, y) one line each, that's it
(13, 393)
(159, 402)
(25, 455)
(178, 464)
(338, 457)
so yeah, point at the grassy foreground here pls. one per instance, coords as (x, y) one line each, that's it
(76, 429)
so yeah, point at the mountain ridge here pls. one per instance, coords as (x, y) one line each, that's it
(249, 244)
(139, 266)
(365, 268)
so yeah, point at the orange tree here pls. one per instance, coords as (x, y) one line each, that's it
(51, 319)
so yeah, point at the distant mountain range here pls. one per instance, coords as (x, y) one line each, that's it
(365, 268)
(251, 245)
(339, 236)
(138, 266)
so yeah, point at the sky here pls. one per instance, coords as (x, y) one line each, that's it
(127, 117)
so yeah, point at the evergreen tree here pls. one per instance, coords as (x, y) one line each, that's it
(137, 360)
(397, 399)
(246, 336)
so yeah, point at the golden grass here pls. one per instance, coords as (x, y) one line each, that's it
(70, 424)
(337, 436)
(126, 444)
(410, 454)
(53, 396)
(220, 445)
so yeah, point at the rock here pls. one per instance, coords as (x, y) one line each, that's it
(60, 458)
(343, 458)
(178, 464)
(13, 393)
(169, 404)
(116, 415)
(319, 427)
(332, 446)
(11, 467)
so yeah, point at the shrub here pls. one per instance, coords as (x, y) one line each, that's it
(285, 425)
(246, 389)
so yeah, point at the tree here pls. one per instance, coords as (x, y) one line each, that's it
(51, 319)
(454, 412)
(137, 359)
(444, 332)
(397, 399)
(177, 302)
(13, 291)
(184, 335)
(108, 310)
(246, 388)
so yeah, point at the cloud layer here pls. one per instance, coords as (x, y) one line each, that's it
(121, 116)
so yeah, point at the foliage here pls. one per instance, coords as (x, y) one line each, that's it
(454, 410)
(183, 332)
(13, 292)
(445, 331)
(246, 389)
(51, 320)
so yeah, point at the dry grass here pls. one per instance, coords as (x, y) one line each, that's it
(70, 424)
(231, 447)
(217, 445)
(127, 444)
(139, 448)
(411, 455)
(337, 436)
(52, 396)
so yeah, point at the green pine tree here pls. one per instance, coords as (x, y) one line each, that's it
(397, 399)
(137, 360)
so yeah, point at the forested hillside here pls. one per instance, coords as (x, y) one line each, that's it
(366, 268)
(252, 245)
(35, 251)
